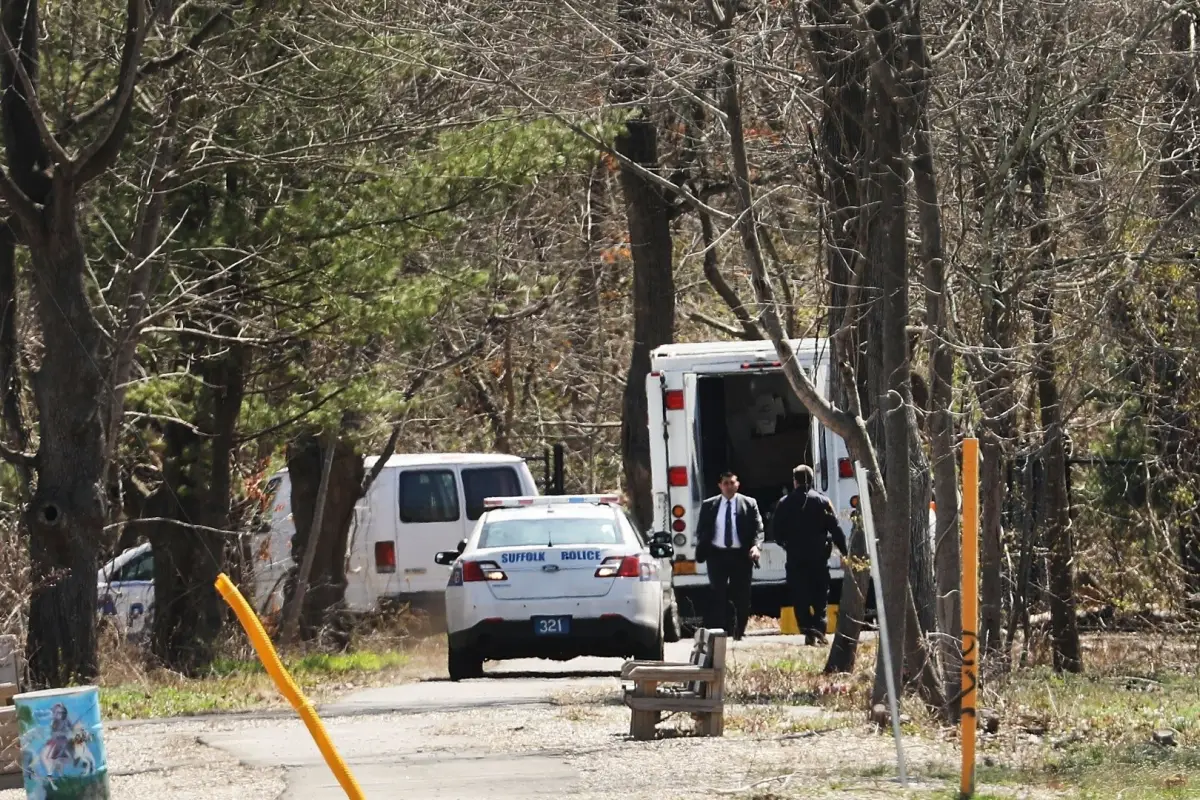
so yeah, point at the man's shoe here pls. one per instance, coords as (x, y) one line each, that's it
(808, 640)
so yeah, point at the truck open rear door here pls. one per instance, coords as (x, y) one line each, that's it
(656, 412)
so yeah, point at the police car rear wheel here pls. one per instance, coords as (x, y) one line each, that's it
(464, 664)
(651, 650)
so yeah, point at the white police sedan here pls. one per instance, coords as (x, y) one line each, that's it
(557, 577)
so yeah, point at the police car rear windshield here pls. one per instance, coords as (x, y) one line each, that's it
(548, 532)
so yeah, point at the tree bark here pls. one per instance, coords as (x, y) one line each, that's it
(66, 514)
(15, 434)
(947, 549)
(1064, 630)
(889, 251)
(327, 578)
(648, 214)
(843, 653)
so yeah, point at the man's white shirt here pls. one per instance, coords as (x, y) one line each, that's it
(719, 539)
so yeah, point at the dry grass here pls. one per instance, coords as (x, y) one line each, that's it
(1092, 735)
(380, 655)
(14, 578)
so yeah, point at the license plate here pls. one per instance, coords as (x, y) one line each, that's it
(551, 626)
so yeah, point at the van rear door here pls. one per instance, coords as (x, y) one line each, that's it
(430, 519)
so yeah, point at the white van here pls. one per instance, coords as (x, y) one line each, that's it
(420, 505)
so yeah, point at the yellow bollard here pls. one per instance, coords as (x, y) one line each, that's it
(787, 621)
(287, 686)
(970, 613)
(831, 619)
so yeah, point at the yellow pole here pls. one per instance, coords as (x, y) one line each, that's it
(970, 612)
(287, 686)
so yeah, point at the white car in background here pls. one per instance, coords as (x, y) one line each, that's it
(125, 591)
(556, 577)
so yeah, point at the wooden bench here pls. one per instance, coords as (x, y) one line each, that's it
(10, 748)
(702, 693)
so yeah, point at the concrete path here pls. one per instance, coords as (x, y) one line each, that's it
(382, 736)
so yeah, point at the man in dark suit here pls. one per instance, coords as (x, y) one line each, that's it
(729, 536)
(806, 526)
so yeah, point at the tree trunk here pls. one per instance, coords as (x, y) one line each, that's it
(888, 249)
(10, 350)
(947, 559)
(991, 562)
(187, 559)
(1064, 630)
(327, 580)
(648, 214)
(66, 515)
(843, 653)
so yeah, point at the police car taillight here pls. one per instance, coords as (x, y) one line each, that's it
(385, 557)
(474, 571)
(620, 567)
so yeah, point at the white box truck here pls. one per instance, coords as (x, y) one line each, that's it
(727, 406)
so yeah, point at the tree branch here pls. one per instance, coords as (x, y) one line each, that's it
(34, 105)
(157, 65)
(101, 153)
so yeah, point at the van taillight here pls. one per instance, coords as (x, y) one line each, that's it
(620, 567)
(677, 476)
(674, 400)
(845, 468)
(385, 557)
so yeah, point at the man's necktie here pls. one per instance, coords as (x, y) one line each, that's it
(728, 524)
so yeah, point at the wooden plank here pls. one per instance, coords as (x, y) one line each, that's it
(631, 665)
(7, 690)
(670, 674)
(672, 703)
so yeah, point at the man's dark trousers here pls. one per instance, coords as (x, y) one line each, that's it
(808, 586)
(729, 574)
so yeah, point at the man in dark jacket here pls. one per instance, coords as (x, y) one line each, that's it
(805, 525)
(729, 536)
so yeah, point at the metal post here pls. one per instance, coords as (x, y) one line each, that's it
(868, 520)
(559, 469)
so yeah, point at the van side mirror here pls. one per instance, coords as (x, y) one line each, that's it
(446, 557)
(661, 550)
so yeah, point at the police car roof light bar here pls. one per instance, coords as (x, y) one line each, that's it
(550, 500)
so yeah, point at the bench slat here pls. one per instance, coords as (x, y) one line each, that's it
(672, 703)
(632, 665)
(670, 673)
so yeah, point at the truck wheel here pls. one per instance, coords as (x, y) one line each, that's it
(464, 664)
(672, 625)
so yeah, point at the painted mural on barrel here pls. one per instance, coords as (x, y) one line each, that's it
(62, 744)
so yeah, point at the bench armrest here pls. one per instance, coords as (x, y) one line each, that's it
(630, 666)
(669, 673)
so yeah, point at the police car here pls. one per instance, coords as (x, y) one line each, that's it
(557, 577)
